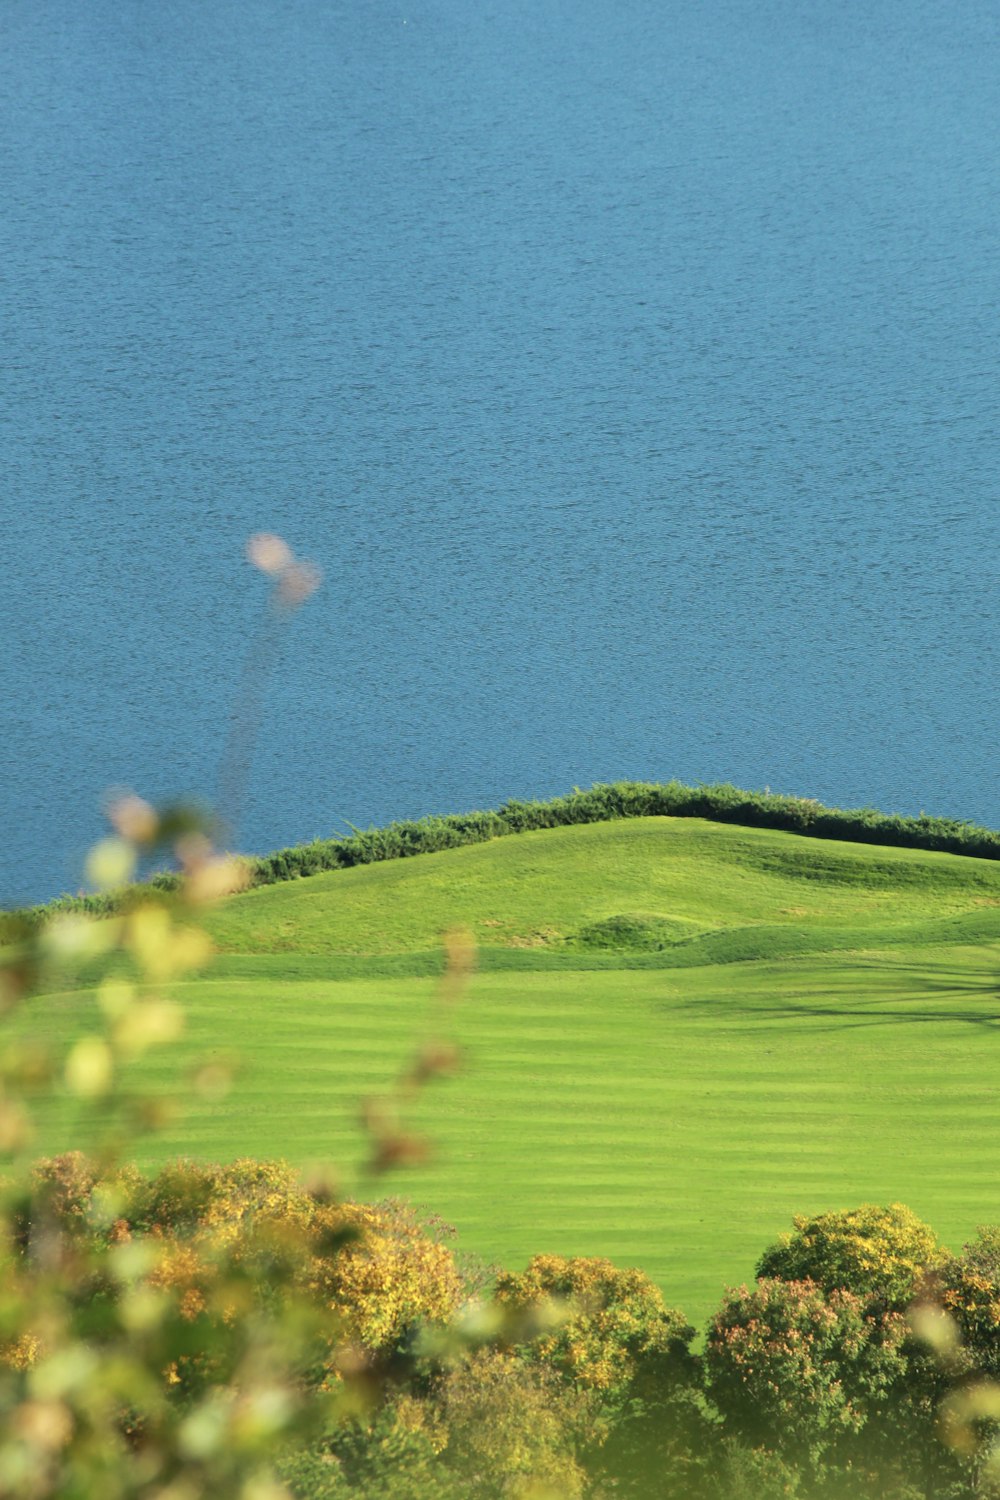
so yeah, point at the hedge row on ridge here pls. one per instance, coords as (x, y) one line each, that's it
(721, 803)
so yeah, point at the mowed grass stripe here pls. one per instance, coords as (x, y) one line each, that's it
(671, 1120)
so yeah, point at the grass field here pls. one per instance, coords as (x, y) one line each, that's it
(682, 1033)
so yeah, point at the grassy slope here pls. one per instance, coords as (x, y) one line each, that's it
(827, 1033)
(537, 886)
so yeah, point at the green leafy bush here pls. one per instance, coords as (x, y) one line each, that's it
(613, 1332)
(510, 1429)
(968, 1289)
(801, 1372)
(879, 1253)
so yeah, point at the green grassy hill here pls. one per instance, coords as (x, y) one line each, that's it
(681, 1033)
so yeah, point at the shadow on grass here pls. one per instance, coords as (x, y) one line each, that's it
(829, 1010)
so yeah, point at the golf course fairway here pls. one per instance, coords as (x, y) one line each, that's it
(680, 1034)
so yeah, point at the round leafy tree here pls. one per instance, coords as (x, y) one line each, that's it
(878, 1253)
(609, 1325)
(800, 1371)
(968, 1287)
(606, 1334)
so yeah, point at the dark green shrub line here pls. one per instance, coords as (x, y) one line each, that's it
(720, 803)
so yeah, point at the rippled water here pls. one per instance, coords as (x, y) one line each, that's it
(631, 370)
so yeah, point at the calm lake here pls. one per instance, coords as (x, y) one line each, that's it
(630, 368)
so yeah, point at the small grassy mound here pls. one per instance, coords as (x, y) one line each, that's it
(634, 931)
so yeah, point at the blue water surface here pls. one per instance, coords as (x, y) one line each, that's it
(629, 366)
